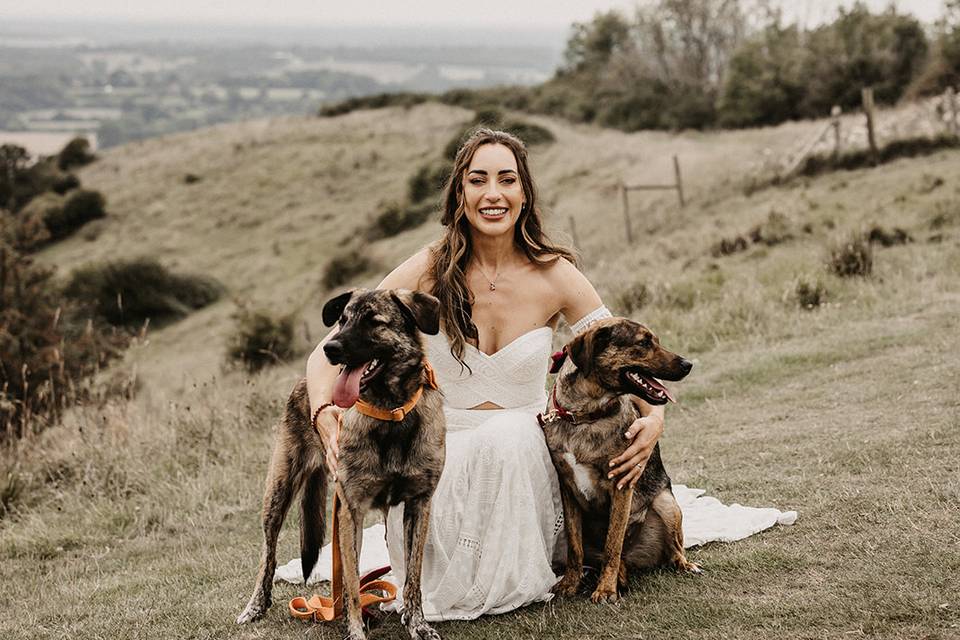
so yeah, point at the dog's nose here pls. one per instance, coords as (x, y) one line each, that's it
(686, 365)
(334, 351)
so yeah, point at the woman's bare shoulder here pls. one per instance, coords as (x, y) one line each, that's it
(576, 296)
(410, 274)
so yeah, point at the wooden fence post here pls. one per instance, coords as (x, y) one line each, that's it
(835, 123)
(676, 171)
(951, 108)
(868, 109)
(626, 213)
(573, 233)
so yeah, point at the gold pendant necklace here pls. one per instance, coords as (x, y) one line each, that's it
(492, 283)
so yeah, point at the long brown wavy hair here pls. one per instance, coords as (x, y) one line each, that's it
(451, 254)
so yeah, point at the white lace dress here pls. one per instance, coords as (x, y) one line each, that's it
(496, 513)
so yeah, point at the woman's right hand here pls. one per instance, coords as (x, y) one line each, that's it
(328, 426)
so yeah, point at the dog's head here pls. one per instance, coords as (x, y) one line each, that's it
(623, 356)
(378, 333)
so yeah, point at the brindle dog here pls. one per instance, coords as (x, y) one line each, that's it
(381, 463)
(634, 527)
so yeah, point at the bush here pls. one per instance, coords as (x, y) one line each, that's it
(810, 294)
(260, 339)
(75, 153)
(396, 218)
(764, 84)
(129, 293)
(428, 181)
(47, 348)
(79, 209)
(729, 246)
(64, 183)
(376, 101)
(633, 298)
(531, 134)
(879, 235)
(852, 257)
(776, 230)
(345, 267)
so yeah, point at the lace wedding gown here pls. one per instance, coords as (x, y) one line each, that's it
(496, 513)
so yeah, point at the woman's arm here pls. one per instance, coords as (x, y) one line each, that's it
(321, 375)
(579, 299)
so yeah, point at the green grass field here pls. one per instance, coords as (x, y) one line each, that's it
(140, 519)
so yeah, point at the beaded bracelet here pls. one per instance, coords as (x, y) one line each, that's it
(316, 414)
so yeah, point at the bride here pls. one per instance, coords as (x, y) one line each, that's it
(503, 287)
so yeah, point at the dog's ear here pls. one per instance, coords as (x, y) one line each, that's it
(334, 307)
(585, 346)
(422, 308)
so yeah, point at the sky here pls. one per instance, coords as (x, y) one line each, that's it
(478, 13)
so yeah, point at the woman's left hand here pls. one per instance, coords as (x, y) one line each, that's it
(629, 465)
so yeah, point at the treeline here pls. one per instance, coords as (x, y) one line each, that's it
(699, 64)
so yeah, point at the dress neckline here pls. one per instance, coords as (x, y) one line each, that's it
(509, 344)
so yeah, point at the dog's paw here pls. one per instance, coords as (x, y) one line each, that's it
(423, 631)
(694, 568)
(355, 633)
(254, 611)
(604, 595)
(567, 586)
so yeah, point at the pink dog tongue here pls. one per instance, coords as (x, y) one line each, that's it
(346, 391)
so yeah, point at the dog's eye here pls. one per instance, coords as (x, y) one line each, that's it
(378, 321)
(646, 343)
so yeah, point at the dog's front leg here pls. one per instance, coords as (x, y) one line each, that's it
(573, 525)
(606, 590)
(349, 560)
(416, 524)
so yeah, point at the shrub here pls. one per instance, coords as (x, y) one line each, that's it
(531, 134)
(396, 218)
(47, 347)
(64, 183)
(879, 235)
(776, 230)
(28, 230)
(851, 257)
(260, 339)
(75, 153)
(345, 267)
(810, 294)
(128, 293)
(729, 246)
(376, 101)
(79, 209)
(633, 298)
(428, 181)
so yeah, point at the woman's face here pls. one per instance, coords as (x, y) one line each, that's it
(492, 193)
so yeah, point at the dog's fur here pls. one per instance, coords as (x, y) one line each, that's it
(631, 528)
(380, 463)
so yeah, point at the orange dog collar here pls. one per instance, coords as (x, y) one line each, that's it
(399, 413)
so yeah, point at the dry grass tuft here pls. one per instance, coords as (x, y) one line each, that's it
(852, 257)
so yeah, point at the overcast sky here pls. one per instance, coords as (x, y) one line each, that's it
(518, 13)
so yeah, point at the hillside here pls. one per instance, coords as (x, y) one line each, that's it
(141, 519)
(276, 199)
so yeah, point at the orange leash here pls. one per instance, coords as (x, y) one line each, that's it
(323, 609)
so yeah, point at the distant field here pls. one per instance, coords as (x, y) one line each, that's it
(42, 142)
(140, 519)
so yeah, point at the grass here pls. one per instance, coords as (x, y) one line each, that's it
(141, 519)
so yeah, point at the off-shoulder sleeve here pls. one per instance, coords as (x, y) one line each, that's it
(599, 313)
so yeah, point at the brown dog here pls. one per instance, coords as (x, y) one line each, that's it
(382, 462)
(589, 412)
